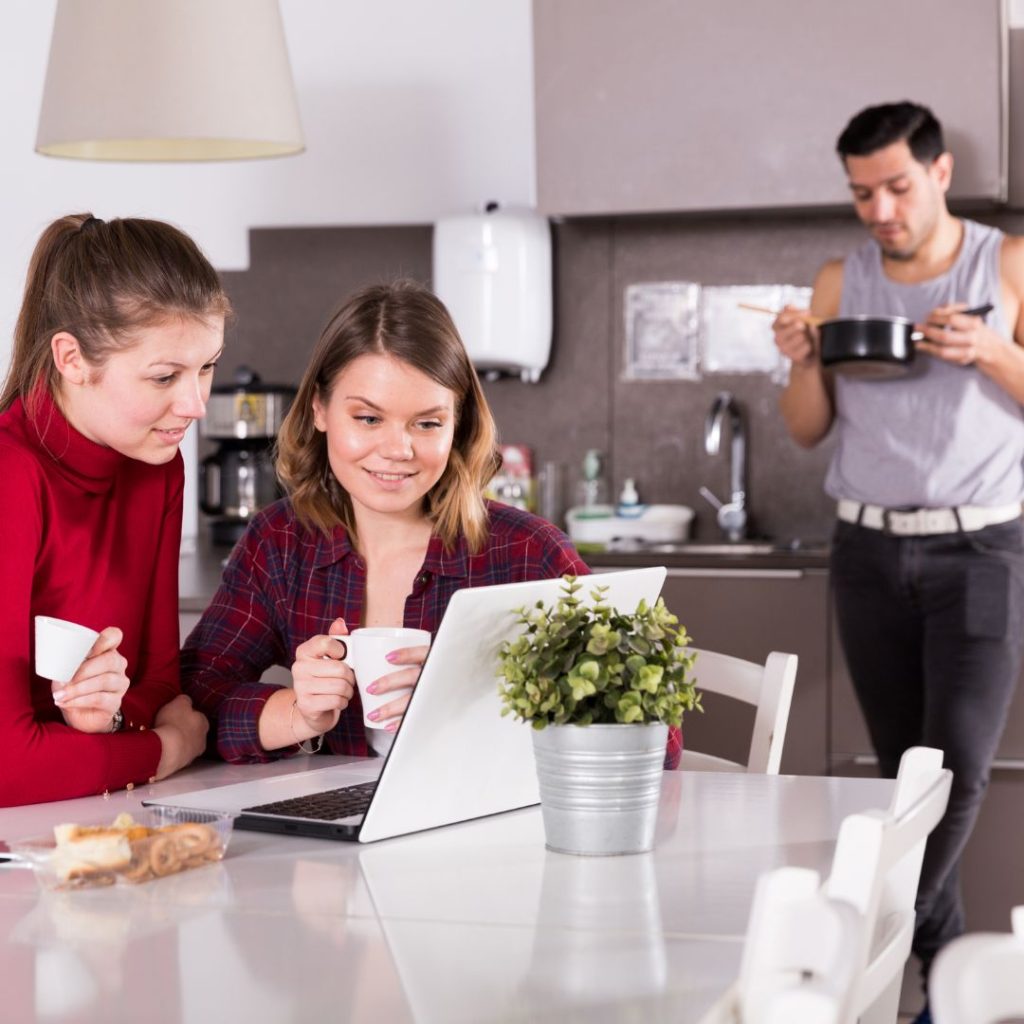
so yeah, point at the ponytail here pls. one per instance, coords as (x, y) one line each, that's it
(102, 282)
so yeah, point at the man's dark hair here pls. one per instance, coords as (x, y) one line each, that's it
(874, 128)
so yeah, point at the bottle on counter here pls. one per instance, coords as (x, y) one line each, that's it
(593, 487)
(513, 483)
(551, 493)
(629, 506)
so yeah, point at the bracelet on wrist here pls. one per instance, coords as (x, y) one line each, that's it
(291, 724)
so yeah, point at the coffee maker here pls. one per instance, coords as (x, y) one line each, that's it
(238, 479)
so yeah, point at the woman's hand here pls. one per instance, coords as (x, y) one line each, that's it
(404, 679)
(795, 338)
(94, 693)
(953, 337)
(182, 731)
(322, 684)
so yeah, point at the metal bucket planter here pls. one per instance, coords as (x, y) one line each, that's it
(599, 786)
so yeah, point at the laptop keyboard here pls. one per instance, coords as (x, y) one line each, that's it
(332, 803)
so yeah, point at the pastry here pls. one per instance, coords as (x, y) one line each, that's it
(89, 853)
(99, 854)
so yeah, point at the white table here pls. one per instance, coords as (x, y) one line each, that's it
(475, 922)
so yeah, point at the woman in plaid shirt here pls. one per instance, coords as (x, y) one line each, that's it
(385, 455)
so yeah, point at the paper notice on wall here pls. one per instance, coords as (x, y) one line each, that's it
(662, 331)
(738, 340)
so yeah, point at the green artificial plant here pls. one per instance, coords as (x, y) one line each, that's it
(580, 663)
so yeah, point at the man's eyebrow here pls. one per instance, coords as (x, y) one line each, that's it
(887, 181)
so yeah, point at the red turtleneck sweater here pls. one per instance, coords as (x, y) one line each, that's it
(89, 535)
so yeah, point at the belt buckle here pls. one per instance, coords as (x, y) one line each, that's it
(904, 526)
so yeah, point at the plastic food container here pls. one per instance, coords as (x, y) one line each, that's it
(164, 841)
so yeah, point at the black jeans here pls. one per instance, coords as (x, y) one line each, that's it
(932, 629)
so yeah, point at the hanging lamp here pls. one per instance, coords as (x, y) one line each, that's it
(168, 80)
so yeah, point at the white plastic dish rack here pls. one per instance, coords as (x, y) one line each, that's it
(657, 524)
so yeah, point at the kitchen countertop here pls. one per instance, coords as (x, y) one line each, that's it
(199, 570)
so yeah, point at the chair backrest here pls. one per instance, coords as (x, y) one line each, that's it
(769, 687)
(877, 867)
(799, 956)
(979, 978)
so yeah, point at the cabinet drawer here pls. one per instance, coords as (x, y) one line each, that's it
(993, 869)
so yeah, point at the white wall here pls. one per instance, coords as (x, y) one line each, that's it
(411, 110)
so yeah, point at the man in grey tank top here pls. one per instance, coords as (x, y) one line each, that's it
(928, 475)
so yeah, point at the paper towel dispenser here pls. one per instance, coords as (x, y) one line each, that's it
(493, 271)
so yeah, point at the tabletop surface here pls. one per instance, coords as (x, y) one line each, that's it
(474, 922)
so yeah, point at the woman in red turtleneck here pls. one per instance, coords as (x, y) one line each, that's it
(114, 350)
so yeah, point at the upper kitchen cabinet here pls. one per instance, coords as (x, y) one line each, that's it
(658, 105)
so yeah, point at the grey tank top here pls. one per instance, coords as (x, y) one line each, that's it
(942, 435)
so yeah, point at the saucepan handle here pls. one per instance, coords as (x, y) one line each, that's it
(981, 311)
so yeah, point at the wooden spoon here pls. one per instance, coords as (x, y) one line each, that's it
(807, 318)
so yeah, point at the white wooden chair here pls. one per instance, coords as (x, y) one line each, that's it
(875, 873)
(769, 687)
(979, 978)
(799, 956)
(876, 869)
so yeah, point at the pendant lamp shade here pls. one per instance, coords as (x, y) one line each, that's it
(168, 80)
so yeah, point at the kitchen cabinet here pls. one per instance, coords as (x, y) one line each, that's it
(992, 872)
(657, 106)
(750, 612)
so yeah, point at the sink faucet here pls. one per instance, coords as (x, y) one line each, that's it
(732, 516)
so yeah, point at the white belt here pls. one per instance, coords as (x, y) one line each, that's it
(919, 522)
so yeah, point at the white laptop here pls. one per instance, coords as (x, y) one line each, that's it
(454, 757)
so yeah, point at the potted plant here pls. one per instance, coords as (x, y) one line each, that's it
(625, 677)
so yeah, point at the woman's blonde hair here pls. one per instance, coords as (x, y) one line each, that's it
(103, 281)
(406, 321)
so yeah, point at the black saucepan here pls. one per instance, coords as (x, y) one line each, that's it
(873, 346)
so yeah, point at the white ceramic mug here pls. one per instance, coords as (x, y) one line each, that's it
(366, 651)
(61, 646)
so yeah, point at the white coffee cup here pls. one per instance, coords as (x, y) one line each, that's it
(61, 646)
(366, 651)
